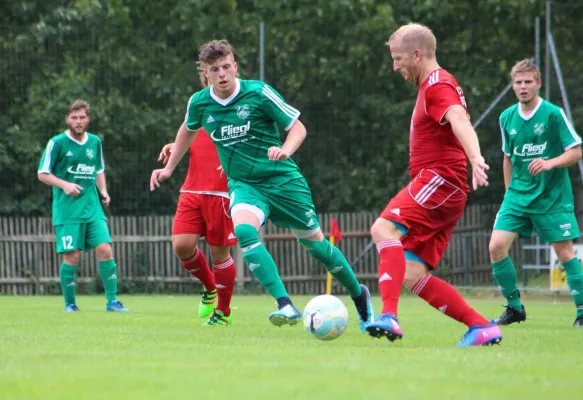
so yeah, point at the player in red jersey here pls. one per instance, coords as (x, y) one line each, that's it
(413, 231)
(203, 210)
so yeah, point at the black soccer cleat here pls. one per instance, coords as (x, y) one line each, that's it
(578, 322)
(512, 315)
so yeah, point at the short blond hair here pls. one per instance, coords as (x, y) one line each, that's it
(525, 65)
(78, 105)
(415, 36)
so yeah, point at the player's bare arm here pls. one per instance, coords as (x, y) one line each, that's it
(102, 188)
(184, 139)
(295, 137)
(568, 158)
(70, 189)
(507, 170)
(465, 133)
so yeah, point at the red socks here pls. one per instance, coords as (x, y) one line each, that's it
(391, 274)
(443, 297)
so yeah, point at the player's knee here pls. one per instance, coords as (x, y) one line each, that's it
(565, 252)
(104, 252)
(183, 248)
(72, 257)
(498, 250)
(246, 235)
(383, 229)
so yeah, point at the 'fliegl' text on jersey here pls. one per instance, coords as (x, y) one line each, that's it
(230, 132)
(530, 150)
(82, 171)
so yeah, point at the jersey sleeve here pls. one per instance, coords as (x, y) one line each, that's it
(569, 138)
(277, 109)
(192, 119)
(505, 142)
(439, 98)
(49, 158)
(101, 165)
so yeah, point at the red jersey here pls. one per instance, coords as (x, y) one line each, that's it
(432, 143)
(204, 173)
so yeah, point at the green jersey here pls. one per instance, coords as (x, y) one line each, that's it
(546, 133)
(79, 163)
(243, 127)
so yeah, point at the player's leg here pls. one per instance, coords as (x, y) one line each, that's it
(560, 229)
(187, 229)
(572, 265)
(337, 265)
(292, 207)
(507, 226)
(225, 274)
(68, 274)
(387, 232)
(249, 210)
(98, 237)
(69, 243)
(220, 237)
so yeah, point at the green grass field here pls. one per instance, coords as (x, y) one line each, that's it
(160, 351)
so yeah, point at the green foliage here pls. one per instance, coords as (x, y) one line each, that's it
(134, 61)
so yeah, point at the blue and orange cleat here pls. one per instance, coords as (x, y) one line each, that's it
(482, 335)
(71, 308)
(386, 325)
(287, 315)
(116, 306)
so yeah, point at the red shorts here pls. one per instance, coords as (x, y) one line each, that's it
(205, 215)
(429, 207)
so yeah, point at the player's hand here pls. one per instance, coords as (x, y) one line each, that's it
(159, 176)
(72, 189)
(277, 154)
(479, 168)
(104, 197)
(165, 153)
(222, 171)
(539, 165)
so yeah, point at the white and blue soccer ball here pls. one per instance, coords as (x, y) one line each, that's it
(325, 317)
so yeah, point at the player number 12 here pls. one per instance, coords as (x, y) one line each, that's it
(67, 242)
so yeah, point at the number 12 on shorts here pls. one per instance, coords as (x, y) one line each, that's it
(67, 242)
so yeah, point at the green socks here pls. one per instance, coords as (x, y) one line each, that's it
(263, 267)
(67, 274)
(574, 274)
(505, 276)
(335, 263)
(108, 274)
(259, 261)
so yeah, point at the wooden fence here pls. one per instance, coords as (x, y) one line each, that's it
(142, 248)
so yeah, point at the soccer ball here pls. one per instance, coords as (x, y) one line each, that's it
(325, 317)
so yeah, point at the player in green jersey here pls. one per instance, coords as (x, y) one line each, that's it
(73, 165)
(242, 118)
(539, 144)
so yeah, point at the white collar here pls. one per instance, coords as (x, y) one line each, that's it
(226, 101)
(70, 136)
(529, 116)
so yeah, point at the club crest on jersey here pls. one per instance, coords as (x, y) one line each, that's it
(243, 111)
(539, 129)
(90, 153)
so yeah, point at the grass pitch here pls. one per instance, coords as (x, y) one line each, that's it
(160, 351)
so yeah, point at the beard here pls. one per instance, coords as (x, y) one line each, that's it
(78, 130)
